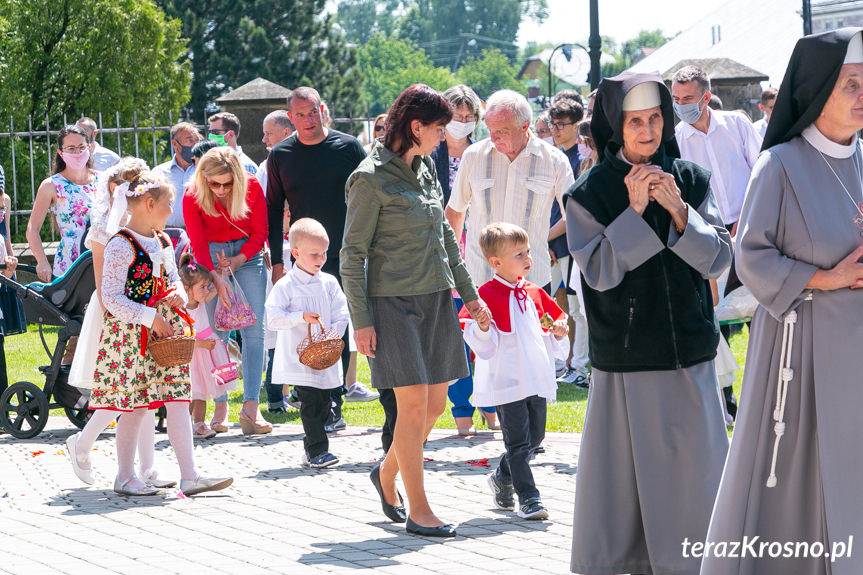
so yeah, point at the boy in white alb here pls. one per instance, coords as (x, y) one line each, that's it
(306, 295)
(515, 369)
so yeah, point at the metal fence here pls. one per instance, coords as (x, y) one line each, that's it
(27, 155)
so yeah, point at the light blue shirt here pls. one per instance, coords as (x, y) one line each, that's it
(180, 178)
(248, 163)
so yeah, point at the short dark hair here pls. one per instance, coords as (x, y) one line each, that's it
(59, 164)
(304, 93)
(202, 147)
(566, 109)
(692, 74)
(715, 102)
(768, 94)
(417, 102)
(229, 120)
(568, 94)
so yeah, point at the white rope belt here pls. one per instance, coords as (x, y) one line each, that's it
(786, 374)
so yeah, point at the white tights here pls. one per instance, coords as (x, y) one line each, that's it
(102, 418)
(129, 434)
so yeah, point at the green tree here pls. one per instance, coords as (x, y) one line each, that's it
(362, 19)
(389, 65)
(290, 42)
(623, 58)
(84, 56)
(451, 31)
(492, 71)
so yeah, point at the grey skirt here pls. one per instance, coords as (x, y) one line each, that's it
(418, 341)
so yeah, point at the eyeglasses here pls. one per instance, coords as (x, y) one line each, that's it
(379, 128)
(559, 125)
(543, 132)
(75, 149)
(219, 132)
(220, 185)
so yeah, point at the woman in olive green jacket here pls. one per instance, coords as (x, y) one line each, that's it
(399, 263)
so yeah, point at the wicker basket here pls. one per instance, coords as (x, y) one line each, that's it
(321, 350)
(172, 351)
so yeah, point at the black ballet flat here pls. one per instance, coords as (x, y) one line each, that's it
(395, 513)
(439, 531)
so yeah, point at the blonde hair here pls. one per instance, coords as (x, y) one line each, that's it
(218, 162)
(495, 236)
(306, 228)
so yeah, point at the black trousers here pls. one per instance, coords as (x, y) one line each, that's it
(337, 394)
(314, 410)
(517, 420)
(388, 402)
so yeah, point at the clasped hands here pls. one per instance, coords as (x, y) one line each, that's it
(647, 183)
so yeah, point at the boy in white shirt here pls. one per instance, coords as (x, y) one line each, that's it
(514, 368)
(306, 295)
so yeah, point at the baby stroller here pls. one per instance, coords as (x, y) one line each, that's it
(24, 408)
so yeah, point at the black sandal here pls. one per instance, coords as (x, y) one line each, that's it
(395, 513)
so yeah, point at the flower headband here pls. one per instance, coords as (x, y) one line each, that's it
(137, 190)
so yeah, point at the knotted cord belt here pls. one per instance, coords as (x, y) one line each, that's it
(785, 375)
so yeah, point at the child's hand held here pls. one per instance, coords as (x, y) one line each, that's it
(310, 317)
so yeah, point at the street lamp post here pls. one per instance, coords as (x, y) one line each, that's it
(566, 48)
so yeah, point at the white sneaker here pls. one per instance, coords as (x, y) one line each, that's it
(359, 392)
(559, 367)
(574, 377)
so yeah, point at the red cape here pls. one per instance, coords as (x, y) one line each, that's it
(496, 296)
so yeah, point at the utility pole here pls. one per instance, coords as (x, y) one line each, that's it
(595, 44)
(807, 18)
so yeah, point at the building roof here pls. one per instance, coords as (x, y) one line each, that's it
(573, 72)
(758, 35)
(258, 89)
(720, 71)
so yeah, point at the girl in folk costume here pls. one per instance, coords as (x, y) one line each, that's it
(141, 291)
(198, 282)
(80, 444)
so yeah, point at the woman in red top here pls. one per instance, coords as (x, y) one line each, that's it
(226, 219)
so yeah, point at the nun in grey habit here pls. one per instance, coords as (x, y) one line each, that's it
(793, 481)
(644, 228)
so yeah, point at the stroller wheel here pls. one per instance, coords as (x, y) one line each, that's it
(79, 417)
(23, 410)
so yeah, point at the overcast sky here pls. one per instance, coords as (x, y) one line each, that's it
(569, 20)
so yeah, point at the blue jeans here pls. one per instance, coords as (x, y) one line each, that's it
(459, 393)
(252, 276)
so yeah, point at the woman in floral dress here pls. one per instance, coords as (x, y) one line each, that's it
(68, 195)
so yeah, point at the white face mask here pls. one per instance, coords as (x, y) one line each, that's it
(460, 130)
(548, 140)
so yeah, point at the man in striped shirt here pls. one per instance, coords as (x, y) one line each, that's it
(513, 177)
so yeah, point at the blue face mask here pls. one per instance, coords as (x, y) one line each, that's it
(689, 113)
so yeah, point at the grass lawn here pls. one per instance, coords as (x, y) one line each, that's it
(24, 354)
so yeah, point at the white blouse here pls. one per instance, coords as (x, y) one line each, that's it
(513, 366)
(295, 293)
(119, 255)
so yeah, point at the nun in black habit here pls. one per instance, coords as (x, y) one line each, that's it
(793, 482)
(644, 228)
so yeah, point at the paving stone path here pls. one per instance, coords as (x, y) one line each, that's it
(277, 517)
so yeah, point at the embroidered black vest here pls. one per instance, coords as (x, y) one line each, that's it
(139, 279)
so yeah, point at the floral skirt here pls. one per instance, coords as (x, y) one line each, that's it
(125, 380)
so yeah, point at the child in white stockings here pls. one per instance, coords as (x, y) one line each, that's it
(80, 444)
(142, 292)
